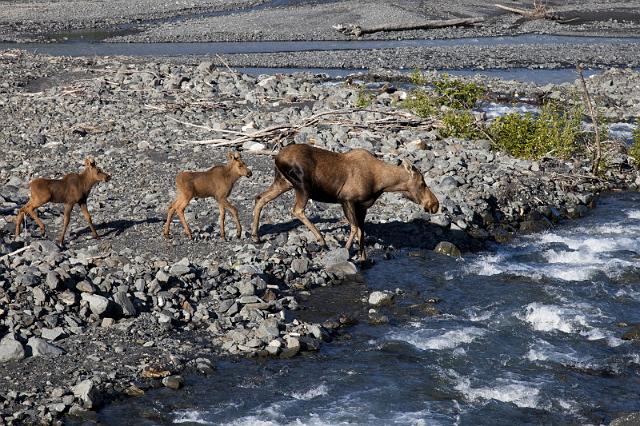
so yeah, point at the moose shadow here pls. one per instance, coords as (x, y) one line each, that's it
(417, 233)
(118, 226)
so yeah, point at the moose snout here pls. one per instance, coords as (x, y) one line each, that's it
(107, 178)
(249, 173)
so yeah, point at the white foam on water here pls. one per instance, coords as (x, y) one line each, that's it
(426, 340)
(552, 318)
(541, 350)
(190, 416)
(633, 214)
(522, 394)
(320, 390)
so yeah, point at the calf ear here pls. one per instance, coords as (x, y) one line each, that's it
(89, 162)
(408, 167)
(230, 155)
(236, 156)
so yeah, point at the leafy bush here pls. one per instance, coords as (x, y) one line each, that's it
(364, 98)
(417, 78)
(456, 93)
(634, 149)
(421, 103)
(460, 124)
(554, 132)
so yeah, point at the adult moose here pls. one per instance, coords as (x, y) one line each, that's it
(354, 179)
(72, 189)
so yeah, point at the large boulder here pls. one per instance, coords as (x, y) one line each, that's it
(10, 350)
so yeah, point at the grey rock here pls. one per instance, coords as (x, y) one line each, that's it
(343, 269)
(381, 298)
(173, 382)
(300, 266)
(87, 393)
(162, 276)
(246, 288)
(40, 347)
(52, 333)
(98, 304)
(632, 419)
(122, 300)
(52, 280)
(268, 330)
(45, 246)
(10, 350)
(335, 256)
(447, 248)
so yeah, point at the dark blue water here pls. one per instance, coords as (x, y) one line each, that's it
(529, 334)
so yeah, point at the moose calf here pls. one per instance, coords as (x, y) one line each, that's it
(217, 182)
(72, 189)
(354, 179)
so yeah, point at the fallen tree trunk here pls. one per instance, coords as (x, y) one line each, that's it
(357, 30)
(538, 12)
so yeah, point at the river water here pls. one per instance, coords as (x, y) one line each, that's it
(529, 333)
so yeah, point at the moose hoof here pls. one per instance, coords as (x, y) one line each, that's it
(256, 239)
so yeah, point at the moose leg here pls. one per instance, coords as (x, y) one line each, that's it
(170, 212)
(234, 214)
(350, 214)
(180, 212)
(67, 217)
(222, 214)
(361, 213)
(298, 211)
(279, 186)
(87, 216)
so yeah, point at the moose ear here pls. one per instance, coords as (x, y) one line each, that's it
(408, 167)
(230, 155)
(236, 156)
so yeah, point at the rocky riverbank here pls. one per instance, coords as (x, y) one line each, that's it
(97, 319)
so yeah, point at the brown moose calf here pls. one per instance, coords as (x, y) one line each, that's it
(72, 189)
(217, 182)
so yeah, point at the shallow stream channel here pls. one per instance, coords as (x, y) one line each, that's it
(528, 332)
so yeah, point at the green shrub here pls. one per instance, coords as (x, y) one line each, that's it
(421, 103)
(634, 149)
(459, 124)
(456, 93)
(554, 132)
(364, 99)
(417, 78)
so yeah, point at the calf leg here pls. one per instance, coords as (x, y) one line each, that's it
(279, 186)
(234, 213)
(180, 212)
(67, 217)
(298, 211)
(170, 212)
(30, 209)
(87, 216)
(222, 214)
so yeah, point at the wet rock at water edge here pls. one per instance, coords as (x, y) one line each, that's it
(173, 382)
(447, 248)
(381, 298)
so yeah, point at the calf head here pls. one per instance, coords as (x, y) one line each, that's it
(236, 163)
(94, 172)
(419, 192)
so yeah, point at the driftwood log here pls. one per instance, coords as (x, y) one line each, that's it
(538, 12)
(357, 30)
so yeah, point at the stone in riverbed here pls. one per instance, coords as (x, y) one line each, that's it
(87, 393)
(173, 382)
(342, 269)
(52, 333)
(268, 330)
(447, 248)
(380, 298)
(10, 350)
(300, 266)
